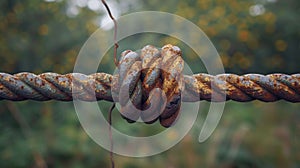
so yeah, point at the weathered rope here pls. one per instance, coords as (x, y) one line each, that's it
(98, 86)
(139, 74)
(47, 86)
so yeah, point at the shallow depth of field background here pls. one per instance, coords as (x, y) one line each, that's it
(251, 36)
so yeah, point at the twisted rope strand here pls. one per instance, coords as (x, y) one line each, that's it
(47, 86)
(150, 85)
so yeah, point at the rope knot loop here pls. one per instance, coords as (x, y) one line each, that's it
(149, 83)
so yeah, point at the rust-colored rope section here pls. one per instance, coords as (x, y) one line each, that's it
(100, 86)
(47, 86)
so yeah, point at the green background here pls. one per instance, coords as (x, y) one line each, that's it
(251, 36)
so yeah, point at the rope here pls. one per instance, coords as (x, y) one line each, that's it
(245, 88)
(139, 74)
(99, 86)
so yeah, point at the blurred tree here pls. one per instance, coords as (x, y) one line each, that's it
(259, 36)
(39, 36)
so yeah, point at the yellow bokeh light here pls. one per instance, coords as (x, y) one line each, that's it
(43, 30)
(281, 45)
(243, 35)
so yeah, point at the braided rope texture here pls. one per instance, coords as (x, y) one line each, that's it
(245, 88)
(138, 79)
(150, 84)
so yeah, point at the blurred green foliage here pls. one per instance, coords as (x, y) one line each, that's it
(260, 36)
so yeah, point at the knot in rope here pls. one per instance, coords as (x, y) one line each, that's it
(149, 84)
